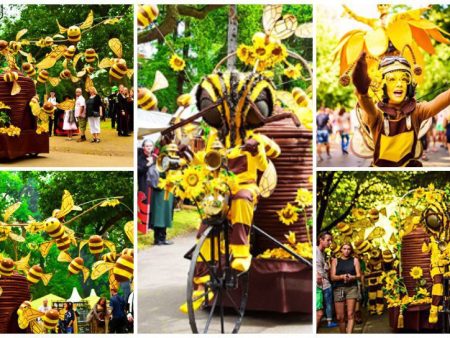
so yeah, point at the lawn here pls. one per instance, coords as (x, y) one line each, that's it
(184, 221)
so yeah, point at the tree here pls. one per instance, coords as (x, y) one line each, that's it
(340, 192)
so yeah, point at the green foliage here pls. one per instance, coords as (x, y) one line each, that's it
(203, 43)
(40, 20)
(339, 192)
(40, 193)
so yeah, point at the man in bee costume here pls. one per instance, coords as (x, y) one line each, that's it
(247, 152)
(394, 122)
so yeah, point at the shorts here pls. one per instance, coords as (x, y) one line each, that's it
(319, 299)
(322, 136)
(82, 122)
(342, 293)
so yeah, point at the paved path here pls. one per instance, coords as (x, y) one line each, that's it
(112, 151)
(440, 158)
(162, 273)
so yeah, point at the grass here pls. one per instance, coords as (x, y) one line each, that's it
(184, 221)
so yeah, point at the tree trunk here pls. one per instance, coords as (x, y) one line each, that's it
(232, 36)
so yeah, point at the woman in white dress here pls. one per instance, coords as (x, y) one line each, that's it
(70, 123)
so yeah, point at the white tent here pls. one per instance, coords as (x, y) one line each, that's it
(75, 297)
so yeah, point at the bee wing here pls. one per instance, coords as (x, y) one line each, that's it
(81, 73)
(270, 15)
(89, 83)
(89, 21)
(116, 47)
(22, 264)
(23, 53)
(66, 105)
(58, 36)
(36, 328)
(11, 210)
(62, 29)
(129, 230)
(29, 58)
(112, 21)
(64, 257)
(74, 79)
(16, 237)
(86, 273)
(67, 204)
(45, 248)
(51, 58)
(105, 63)
(54, 81)
(31, 314)
(130, 73)
(284, 27)
(76, 58)
(113, 283)
(64, 64)
(21, 33)
(83, 243)
(99, 268)
(160, 82)
(46, 278)
(15, 88)
(305, 30)
(110, 245)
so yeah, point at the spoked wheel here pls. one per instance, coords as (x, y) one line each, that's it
(222, 296)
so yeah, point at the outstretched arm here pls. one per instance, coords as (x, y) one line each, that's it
(361, 81)
(428, 109)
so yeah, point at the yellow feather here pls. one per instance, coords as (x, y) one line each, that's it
(400, 34)
(376, 42)
(354, 47)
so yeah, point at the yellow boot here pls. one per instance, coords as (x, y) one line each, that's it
(241, 257)
(433, 318)
(198, 302)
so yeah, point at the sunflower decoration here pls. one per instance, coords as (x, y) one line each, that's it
(416, 272)
(304, 197)
(288, 215)
(358, 213)
(177, 63)
(192, 182)
(293, 72)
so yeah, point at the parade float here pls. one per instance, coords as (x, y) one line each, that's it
(404, 247)
(247, 167)
(39, 254)
(32, 66)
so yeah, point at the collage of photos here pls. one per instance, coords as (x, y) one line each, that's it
(249, 188)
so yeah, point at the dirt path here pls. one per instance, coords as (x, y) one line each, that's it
(112, 151)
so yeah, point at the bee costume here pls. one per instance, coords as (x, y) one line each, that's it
(392, 127)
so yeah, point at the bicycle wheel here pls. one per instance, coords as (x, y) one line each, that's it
(223, 296)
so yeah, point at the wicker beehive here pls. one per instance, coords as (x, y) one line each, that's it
(28, 141)
(15, 291)
(294, 167)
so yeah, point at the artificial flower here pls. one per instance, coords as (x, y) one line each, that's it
(177, 63)
(288, 215)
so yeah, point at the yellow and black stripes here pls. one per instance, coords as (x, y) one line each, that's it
(124, 268)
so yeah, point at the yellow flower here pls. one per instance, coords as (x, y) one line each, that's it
(177, 63)
(278, 52)
(431, 186)
(304, 197)
(192, 182)
(416, 272)
(262, 50)
(291, 237)
(288, 215)
(419, 193)
(243, 52)
(433, 196)
(293, 72)
(110, 203)
(422, 292)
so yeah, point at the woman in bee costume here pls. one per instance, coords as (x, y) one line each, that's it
(394, 122)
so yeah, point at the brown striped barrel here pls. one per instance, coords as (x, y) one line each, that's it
(15, 292)
(21, 115)
(294, 167)
(412, 255)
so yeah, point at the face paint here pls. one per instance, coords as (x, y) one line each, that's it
(397, 85)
